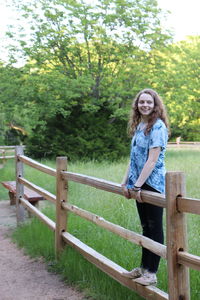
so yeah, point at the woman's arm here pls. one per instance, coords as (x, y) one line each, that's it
(149, 166)
(147, 169)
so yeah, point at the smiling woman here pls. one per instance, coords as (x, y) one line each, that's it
(146, 170)
(145, 106)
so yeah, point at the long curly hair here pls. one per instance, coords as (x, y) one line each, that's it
(158, 112)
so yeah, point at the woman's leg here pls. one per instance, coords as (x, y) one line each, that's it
(151, 221)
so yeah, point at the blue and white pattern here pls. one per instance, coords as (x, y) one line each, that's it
(140, 146)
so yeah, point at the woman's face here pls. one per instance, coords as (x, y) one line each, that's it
(145, 105)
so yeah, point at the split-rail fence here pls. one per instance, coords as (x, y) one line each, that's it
(174, 201)
(5, 150)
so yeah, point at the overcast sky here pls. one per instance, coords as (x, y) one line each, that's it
(184, 17)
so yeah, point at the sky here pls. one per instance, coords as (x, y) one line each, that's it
(184, 18)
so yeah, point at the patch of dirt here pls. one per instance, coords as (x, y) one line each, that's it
(23, 278)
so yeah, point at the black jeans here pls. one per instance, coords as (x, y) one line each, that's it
(151, 220)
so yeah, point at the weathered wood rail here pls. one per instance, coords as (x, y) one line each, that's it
(175, 202)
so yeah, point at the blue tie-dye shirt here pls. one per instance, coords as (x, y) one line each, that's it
(140, 146)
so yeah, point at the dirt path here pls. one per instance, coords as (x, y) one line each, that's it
(23, 278)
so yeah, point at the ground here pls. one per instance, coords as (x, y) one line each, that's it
(23, 278)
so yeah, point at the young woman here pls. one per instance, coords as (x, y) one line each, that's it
(148, 127)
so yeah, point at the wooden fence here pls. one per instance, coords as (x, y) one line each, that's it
(175, 202)
(5, 150)
(184, 145)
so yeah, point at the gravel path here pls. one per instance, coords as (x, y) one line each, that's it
(23, 278)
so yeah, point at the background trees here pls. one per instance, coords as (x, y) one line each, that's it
(84, 64)
(177, 76)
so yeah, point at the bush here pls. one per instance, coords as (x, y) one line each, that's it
(82, 135)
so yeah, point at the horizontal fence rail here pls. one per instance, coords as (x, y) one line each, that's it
(112, 187)
(32, 163)
(8, 147)
(112, 269)
(129, 235)
(184, 143)
(5, 150)
(47, 195)
(178, 258)
(189, 205)
(189, 260)
(38, 214)
(7, 157)
(93, 182)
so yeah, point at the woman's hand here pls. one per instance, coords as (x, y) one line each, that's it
(126, 191)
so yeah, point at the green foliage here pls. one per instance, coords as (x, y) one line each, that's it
(80, 135)
(81, 74)
(84, 64)
(176, 75)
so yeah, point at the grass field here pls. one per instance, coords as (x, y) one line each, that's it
(38, 240)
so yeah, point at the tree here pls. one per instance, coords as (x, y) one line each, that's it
(175, 73)
(97, 42)
(86, 58)
(11, 103)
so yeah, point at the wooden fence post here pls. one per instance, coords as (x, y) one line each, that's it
(61, 196)
(178, 275)
(20, 211)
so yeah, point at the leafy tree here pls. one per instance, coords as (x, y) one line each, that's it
(175, 73)
(89, 59)
(11, 82)
(97, 42)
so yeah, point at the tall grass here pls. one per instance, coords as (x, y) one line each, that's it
(38, 240)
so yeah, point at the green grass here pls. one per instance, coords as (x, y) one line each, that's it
(73, 267)
(7, 173)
